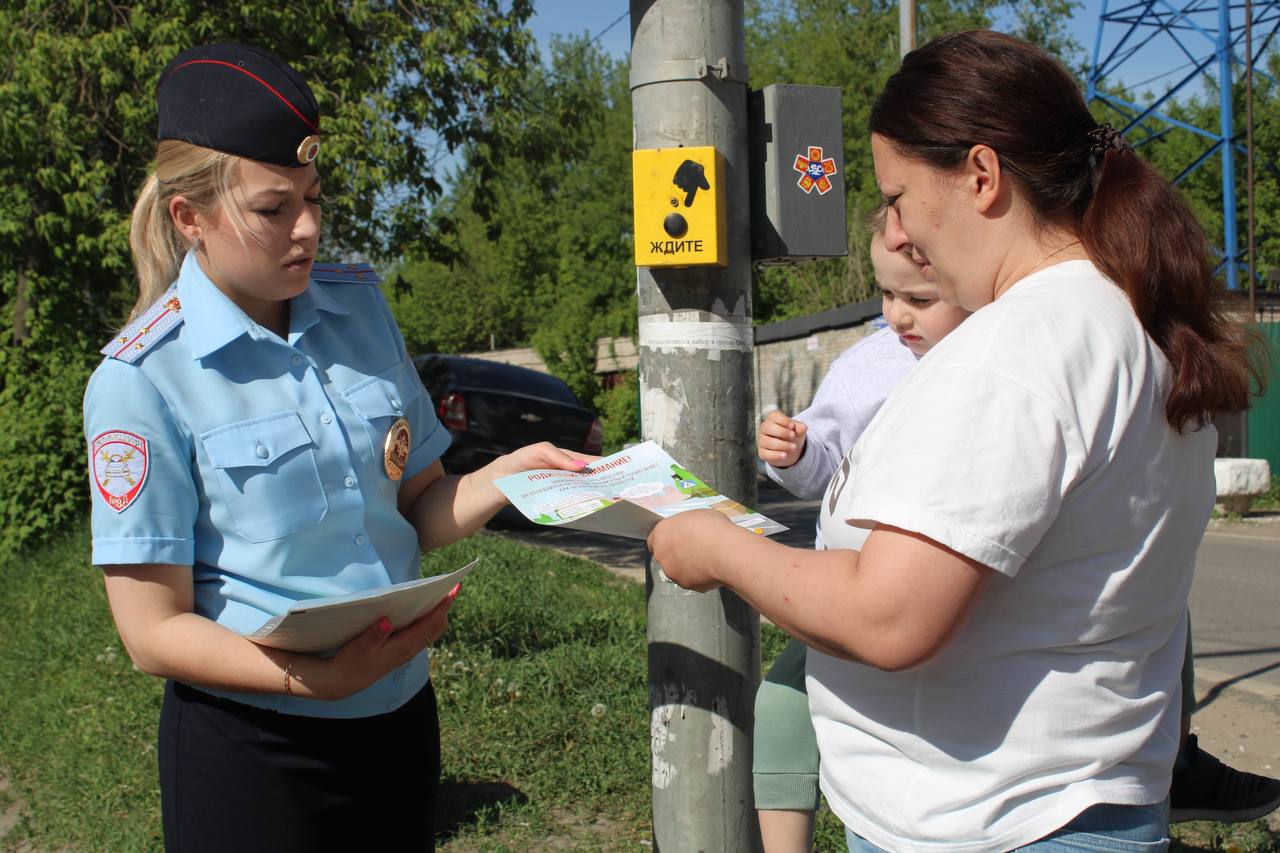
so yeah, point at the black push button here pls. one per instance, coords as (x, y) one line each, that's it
(675, 225)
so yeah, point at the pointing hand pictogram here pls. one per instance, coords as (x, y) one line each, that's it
(691, 177)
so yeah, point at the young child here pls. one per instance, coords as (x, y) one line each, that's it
(802, 453)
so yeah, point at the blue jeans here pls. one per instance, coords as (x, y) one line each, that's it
(1104, 828)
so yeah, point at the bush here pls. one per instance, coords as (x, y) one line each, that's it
(619, 409)
(42, 449)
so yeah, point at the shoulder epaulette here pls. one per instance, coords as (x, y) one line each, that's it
(343, 273)
(151, 326)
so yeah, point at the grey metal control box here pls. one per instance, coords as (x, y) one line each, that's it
(796, 146)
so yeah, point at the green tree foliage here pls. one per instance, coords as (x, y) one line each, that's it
(550, 266)
(397, 83)
(854, 44)
(1172, 150)
(1266, 188)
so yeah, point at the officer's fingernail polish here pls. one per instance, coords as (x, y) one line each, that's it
(384, 625)
(579, 463)
(453, 593)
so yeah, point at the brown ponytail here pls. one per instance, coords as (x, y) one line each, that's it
(978, 86)
(1140, 232)
(205, 178)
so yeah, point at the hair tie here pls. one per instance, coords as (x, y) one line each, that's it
(1104, 138)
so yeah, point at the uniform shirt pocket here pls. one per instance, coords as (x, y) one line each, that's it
(380, 401)
(266, 469)
(381, 395)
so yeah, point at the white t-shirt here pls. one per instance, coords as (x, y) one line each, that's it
(1033, 439)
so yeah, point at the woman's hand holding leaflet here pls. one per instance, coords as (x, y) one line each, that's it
(371, 655)
(444, 509)
(682, 543)
(153, 609)
(544, 454)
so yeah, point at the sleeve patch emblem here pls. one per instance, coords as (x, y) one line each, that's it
(119, 461)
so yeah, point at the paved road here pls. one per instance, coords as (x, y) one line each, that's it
(1235, 600)
(1235, 607)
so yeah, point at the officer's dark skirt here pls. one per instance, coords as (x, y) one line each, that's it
(238, 778)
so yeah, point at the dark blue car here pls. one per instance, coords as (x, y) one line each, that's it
(491, 408)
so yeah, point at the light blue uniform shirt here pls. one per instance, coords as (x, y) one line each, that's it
(259, 461)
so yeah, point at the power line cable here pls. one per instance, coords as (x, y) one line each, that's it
(554, 77)
(558, 69)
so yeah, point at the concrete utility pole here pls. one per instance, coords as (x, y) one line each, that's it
(689, 88)
(906, 27)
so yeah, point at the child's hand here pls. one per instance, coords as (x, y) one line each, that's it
(780, 439)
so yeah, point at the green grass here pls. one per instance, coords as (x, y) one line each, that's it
(541, 681)
(77, 732)
(543, 706)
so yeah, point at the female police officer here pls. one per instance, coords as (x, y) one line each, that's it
(257, 435)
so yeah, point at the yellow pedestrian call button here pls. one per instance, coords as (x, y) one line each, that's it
(679, 207)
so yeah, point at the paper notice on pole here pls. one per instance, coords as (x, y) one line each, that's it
(663, 334)
(625, 494)
(324, 624)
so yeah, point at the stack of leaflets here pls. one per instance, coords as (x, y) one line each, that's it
(625, 494)
(324, 624)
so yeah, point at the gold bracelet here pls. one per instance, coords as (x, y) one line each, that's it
(288, 675)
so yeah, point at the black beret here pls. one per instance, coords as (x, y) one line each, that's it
(241, 100)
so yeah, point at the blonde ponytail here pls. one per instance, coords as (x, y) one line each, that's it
(200, 175)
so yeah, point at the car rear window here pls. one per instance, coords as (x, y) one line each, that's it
(506, 377)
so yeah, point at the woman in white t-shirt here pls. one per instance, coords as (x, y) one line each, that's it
(997, 665)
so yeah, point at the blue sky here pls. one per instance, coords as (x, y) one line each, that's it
(575, 17)
(593, 16)
(1160, 61)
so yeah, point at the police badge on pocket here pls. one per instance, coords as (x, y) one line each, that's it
(395, 451)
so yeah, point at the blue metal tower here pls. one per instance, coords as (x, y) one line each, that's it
(1194, 42)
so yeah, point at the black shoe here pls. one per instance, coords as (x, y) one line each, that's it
(1206, 789)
